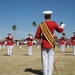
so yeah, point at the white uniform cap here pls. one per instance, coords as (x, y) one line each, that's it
(9, 33)
(47, 12)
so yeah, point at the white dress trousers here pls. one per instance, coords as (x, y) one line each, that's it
(29, 50)
(0, 46)
(73, 50)
(62, 47)
(9, 48)
(48, 60)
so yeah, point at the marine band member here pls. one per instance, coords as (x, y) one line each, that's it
(73, 42)
(47, 50)
(9, 39)
(29, 44)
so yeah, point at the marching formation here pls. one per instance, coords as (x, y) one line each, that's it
(63, 42)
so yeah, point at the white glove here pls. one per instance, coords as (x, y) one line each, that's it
(62, 25)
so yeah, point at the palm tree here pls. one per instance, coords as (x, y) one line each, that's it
(34, 24)
(14, 28)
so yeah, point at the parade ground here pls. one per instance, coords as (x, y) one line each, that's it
(19, 63)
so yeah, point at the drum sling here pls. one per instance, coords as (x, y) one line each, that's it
(48, 35)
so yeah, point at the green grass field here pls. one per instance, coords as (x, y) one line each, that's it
(22, 64)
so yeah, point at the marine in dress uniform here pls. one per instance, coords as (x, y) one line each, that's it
(38, 44)
(73, 42)
(47, 51)
(29, 44)
(20, 44)
(3, 44)
(62, 43)
(9, 39)
(68, 43)
(0, 45)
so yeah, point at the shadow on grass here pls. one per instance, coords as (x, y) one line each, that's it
(67, 54)
(25, 54)
(68, 51)
(38, 72)
(58, 51)
(6, 55)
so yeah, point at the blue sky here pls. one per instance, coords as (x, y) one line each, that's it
(23, 12)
